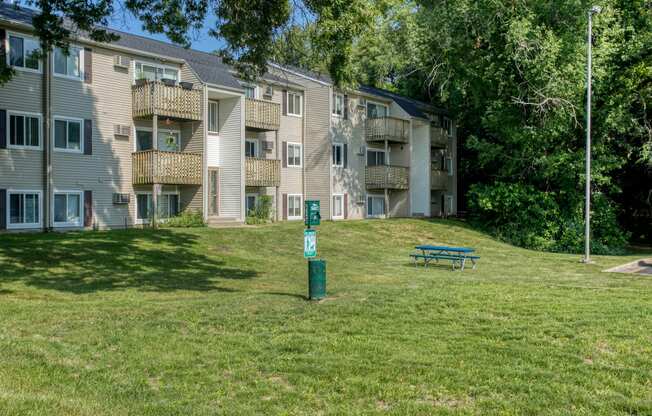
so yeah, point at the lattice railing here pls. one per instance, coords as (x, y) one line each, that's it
(262, 114)
(387, 177)
(438, 137)
(388, 128)
(168, 168)
(438, 179)
(156, 98)
(262, 172)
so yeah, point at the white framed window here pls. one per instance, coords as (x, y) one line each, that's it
(294, 155)
(168, 140)
(294, 104)
(251, 148)
(168, 206)
(251, 200)
(338, 206)
(68, 134)
(338, 155)
(155, 72)
(213, 117)
(24, 130)
(250, 91)
(70, 65)
(68, 208)
(295, 206)
(375, 157)
(23, 209)
(376, 110)
(448, 126)
(375, 206)
(23, 52)
(338, 105)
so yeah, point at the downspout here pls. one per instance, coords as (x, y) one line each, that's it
(47, 138)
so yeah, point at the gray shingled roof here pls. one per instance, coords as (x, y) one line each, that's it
(413, 107)
(208, 67)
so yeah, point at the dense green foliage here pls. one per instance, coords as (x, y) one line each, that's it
(262, 212)
(187, 219)
(513, 74)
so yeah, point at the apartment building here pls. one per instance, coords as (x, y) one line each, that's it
(112, 133)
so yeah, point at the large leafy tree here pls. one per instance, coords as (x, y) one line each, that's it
(247, 28)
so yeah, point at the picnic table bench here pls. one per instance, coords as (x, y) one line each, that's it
(456, 255)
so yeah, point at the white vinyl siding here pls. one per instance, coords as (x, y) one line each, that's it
(295, 206)
(68, 209)
(23, 209)
(24, 130)
(69, 65)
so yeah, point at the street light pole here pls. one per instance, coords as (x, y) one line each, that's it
(589, 75)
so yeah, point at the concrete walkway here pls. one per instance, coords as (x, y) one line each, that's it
(643, 266)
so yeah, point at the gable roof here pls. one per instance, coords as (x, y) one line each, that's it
(414, 108)
(209, 67)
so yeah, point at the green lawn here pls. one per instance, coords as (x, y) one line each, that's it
(204, 321)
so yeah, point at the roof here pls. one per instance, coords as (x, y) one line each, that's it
(321, 77)
(414, 108)
(209, 67)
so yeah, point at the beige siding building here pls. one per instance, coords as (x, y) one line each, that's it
(116, 135)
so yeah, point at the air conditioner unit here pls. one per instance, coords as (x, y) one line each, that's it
(269, 92)
(268, 145)
(120, 199)
(121, 130)
(121, 61)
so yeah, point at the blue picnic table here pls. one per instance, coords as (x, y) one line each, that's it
(457, 255)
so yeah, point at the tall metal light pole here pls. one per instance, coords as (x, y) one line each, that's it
(587, 213)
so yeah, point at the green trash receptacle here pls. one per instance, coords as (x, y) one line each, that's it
(316, 279)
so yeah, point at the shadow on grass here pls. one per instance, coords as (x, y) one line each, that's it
(85, 262)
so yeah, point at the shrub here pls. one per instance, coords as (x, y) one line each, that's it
(187, 219)
(262, 213)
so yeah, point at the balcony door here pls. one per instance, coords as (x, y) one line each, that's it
(168, 140)
(376, 110)
(375, 157)
(213, 192)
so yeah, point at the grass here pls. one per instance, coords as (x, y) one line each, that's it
(204, 322)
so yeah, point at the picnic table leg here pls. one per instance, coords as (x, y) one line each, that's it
(463, 261)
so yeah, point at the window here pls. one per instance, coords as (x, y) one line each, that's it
(376, 110)
(375, 157)
(67, 209)
(338, 206)
(294, 207)
(338, 105)
(68, 65)
(338, 155)
(24, 52)
(449, 166)
(24, 130)
(251, 201)
(294, 104)
(294, 155)
(24, 209)
(213, 108)
(168, 206)
(449, 200)
(448, 126)
(375, 206)
(250, 91)
(168, 140)
(250, 148)
(68, 135)
(153, 72)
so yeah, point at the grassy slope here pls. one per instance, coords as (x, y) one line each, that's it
(215, 321)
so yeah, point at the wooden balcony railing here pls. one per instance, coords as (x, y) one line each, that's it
(262, 114)
(387, 128)
(262, 172)
(156, 98)
(438, 137)
(167, 168)
(438, 180)
(386, 177)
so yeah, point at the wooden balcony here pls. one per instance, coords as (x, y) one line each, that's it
(262, 114)
(386, 177)
(438, 137)
(438, 180)
(262, 172)
(156, 98)
(388, 128)
(167, 168)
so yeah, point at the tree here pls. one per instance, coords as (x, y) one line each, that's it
(248, 27)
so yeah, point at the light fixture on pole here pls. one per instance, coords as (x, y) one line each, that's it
(587, 212)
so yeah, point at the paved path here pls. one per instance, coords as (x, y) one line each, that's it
(643, 266)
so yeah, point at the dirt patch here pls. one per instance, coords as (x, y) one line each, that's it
(643, 266)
